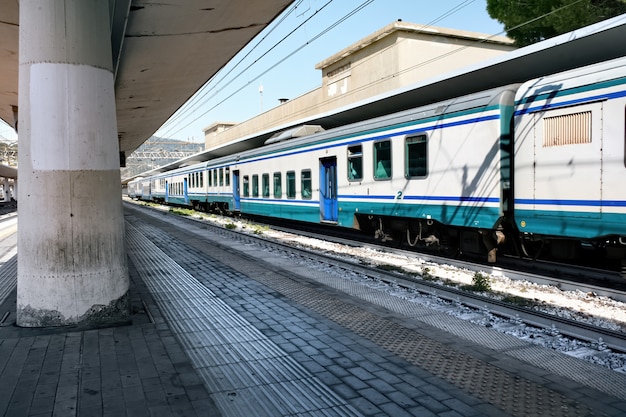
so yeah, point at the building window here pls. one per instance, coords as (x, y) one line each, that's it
(291, 184)
(382, 160)
(416, 158)
(305, 181)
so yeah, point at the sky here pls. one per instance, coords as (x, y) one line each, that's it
(280, 62)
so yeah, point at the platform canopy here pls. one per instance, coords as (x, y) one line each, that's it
(163, 52)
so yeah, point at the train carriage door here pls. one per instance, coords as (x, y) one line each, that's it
(236, 191)
(328, 190)
(186, 190)
(167, 191)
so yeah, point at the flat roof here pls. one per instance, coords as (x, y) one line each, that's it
(400, 26)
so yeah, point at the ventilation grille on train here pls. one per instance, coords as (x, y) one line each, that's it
(568, 129)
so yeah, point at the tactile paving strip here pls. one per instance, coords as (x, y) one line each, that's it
(607, 381)
(247, 374)
(8, 277)
(514, 395)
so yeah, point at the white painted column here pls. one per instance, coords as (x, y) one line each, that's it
(71, 249)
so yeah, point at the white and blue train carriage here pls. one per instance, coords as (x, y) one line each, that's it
(570, 159)
(440, 171)
(435, 173)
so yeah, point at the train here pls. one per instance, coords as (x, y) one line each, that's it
(534, 169)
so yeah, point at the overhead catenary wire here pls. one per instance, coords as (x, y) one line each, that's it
(191, 103)
(172, 130)
(217, 84)
(332, 26)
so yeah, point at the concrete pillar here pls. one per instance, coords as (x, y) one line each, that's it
(71, 249)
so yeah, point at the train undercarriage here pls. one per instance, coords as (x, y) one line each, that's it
(430, 235)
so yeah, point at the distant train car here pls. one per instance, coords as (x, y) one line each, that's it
(139, 189)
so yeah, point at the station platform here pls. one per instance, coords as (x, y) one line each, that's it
(222, 328)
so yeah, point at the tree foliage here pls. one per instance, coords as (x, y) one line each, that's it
(530, 21)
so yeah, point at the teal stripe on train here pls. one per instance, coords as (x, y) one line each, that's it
(461, 216)
(570, 223)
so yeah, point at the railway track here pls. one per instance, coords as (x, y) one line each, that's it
(415, 284)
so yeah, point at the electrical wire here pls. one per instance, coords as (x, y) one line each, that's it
(276, 64)
(334, 25)
(191, 103)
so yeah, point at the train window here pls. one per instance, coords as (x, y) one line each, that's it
(355, 163)
(201, 179)
(291, 184)
(210, 178)
(221, 177)
(246, 186)
(255, 185)
(215, 177)
(265, 185)
(305, 182)
(278, 180)
(227, 176)
(382, 160)
(415, 156)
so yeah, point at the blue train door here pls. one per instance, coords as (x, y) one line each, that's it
(167, 191)
(328, 190)
(185, 191)
(236, 192)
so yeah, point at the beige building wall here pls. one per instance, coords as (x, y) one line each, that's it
(395, 56)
